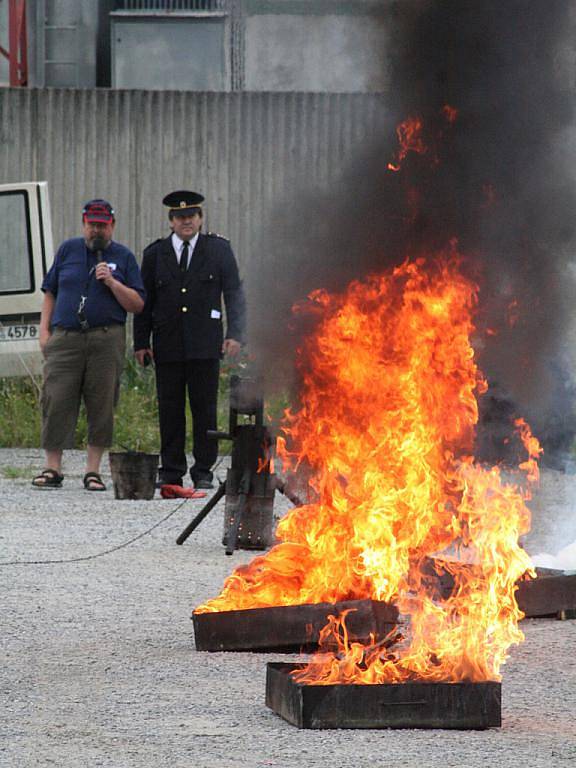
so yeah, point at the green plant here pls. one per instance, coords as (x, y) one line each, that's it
(136, 422)
(19, 413)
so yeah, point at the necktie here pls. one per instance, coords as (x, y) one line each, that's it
(184, 257)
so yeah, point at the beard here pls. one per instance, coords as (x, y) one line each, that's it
(97, 243)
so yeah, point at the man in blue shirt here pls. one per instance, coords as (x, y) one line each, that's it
(88, 291)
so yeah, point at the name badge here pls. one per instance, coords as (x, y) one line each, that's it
(215, 314)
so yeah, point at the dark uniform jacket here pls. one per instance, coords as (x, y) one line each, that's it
(183, 311)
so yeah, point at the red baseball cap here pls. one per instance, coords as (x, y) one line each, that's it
(98, 211)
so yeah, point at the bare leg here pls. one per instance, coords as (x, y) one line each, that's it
(94, 455)
(54, 460)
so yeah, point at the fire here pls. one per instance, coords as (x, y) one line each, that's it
(386, 424)
(265, 464)
(409, 134)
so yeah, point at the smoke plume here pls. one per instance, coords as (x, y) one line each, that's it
(497, 178)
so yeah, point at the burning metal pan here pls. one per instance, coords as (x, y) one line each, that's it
(289, 628)
(461, 706)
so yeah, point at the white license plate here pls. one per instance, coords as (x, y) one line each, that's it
(19, 332)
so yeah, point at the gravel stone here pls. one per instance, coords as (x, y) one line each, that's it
(99, 666)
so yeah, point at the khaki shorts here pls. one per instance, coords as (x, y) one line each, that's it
(81, 366)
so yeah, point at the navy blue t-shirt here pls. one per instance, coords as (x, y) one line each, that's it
(72, 275)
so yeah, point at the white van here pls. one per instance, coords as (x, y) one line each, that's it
(26, 250)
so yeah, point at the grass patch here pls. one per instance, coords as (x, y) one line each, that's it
(15, 473)
(136, 422)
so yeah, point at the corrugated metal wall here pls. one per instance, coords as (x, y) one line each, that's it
(247, 152)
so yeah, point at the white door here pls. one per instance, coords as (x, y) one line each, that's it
(25, 252)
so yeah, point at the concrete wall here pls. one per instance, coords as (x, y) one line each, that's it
(333, 53)
(250, 153)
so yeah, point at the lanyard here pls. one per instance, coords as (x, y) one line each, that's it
(83, 296)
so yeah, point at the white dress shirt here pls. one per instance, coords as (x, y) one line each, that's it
(178, 245)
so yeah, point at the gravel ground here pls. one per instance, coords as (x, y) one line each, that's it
(99, 666)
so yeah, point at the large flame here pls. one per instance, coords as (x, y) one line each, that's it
(386, 424)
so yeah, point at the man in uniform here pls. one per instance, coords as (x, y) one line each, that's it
(186, 275)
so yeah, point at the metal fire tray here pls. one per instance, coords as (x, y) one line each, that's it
(461, 706)
(289, 628)
(551, 594)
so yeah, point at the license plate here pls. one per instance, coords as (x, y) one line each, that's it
(19, 332)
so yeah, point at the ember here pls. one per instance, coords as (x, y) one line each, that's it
(387, 424)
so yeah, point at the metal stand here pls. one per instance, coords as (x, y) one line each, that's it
(250, 485)
(202, 514)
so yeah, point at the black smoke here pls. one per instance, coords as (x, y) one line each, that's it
(498, 179)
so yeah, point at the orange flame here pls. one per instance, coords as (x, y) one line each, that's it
(409, 134)
(533, 448)
(386, 423)
(410, 137)
(265, 464)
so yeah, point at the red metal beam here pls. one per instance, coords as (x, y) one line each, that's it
(17, 53)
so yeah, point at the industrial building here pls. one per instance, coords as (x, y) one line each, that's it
(200, 45)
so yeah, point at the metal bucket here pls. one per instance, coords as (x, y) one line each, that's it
(134, 474)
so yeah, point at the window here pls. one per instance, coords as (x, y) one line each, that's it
(16, 274)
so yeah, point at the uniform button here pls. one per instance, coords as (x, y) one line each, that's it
(183, 290)
(184, 309)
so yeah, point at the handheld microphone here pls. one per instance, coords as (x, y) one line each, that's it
(99, 245)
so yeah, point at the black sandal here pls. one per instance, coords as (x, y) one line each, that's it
(92, 479)
(48, 479)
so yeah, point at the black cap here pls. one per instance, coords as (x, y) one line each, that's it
(183, 202)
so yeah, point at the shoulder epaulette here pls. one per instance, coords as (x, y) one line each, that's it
(215, 234)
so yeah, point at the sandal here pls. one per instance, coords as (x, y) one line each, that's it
(93, 482)
(48, 478)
